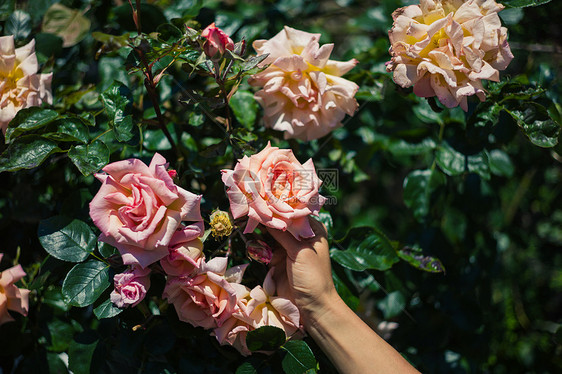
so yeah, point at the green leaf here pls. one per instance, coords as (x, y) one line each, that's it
(326, 219)
(107, 310)
(245, 108)
(524, 3)
(400, 147)
(414, 256)
(479, 164)
(6, 9)
(536, 123)
(168, 32)
(69, 24)
(252, 62)
(61, 334)
(66, 239)
(89, 158)
(265, 338)
(27, 152)
(18, 25)
(106, 250)
(85, 282)
(345, 293)
(299, 358)
(451, 161)
(118, 100)
(214, 150)
(367, 248)
(81, 352)
(68, 129)
(392, 304)
(247, 368)
(29, 119)
(418, 188)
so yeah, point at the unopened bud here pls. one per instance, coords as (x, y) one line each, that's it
(217, 41)
(172, 173)
(259, 250)
(220, 224)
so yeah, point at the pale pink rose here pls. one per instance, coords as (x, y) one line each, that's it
(207, 297)
(217, 41)
(130, 287)
(11, 297)
(139, 209)
(20, 85)
(303, 93)
(266, 308)
(185, 252)
(273, 188)
(445, 48)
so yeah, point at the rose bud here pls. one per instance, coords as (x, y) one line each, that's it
(217, 41)
(258, 250)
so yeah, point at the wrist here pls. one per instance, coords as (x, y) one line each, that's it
(316, 313)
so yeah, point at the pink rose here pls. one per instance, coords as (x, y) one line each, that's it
(12, 297)
(445, 48)
(185, 253)
(20, 85)
(206, 298)
(130, 287)
(139, 209)
(217, 41)
(303, 93)
(273, 188)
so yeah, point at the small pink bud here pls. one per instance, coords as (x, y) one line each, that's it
(172, 173)
(259, 250)
(217, 41)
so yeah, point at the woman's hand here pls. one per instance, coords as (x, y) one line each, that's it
(303, 271)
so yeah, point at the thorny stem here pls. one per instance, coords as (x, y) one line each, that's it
(149, 82)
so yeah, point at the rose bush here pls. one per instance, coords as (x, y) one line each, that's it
(273, 188)
(445, 48)
(20, 84)
(139, 209)
(303, 92)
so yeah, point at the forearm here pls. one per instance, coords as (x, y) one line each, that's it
(351, 345)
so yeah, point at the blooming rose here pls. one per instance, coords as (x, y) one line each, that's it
(20, 85)
(217, 41)
(256, 308)
(185, 252)
(130, 287)
(445, 48)
(275, 189)
(139, 209)
(206, 298)
(303, 93)
(12, 297)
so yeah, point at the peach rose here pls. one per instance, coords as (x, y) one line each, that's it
(303, 93)
(256, 308)
(130, 287)
(206, 298)
(273, 188)
(12, 297)
(139, 209)
(445, 48)
(235, 329)
(185, 253)
(20, 85)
